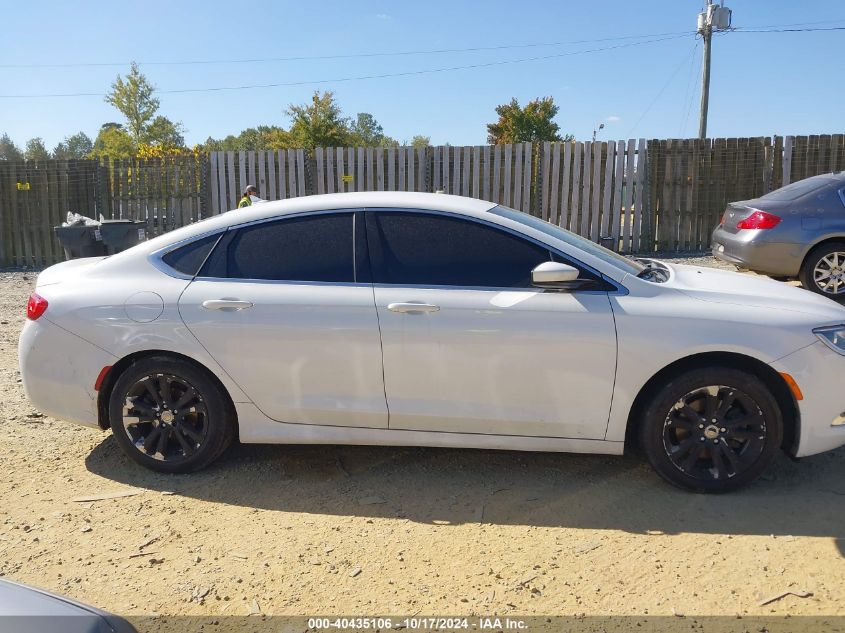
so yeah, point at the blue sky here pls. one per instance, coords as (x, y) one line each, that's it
(767, 83)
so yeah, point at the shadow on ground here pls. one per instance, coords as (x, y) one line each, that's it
(497, 487)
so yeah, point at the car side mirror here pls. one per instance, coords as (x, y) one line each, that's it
(555, 275)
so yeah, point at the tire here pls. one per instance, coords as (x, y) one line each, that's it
(823, 266)
(734, 450)
(145, 416)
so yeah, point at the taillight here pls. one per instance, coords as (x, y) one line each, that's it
(759, 220)
(36, 306)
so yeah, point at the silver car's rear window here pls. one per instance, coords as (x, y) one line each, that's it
(797, 189)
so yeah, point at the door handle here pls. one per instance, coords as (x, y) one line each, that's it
(412, 307)
(226, 305)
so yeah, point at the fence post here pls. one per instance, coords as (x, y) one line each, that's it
(310, 171)
(429, 159)
(539, 165)
(204, 206)
(787, 160)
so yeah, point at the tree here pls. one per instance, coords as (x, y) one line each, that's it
(113, 141)
(35, 149)
(420, 142)
(8, 149)
(134, 97)
(162, 132)
(366, 131)
(319, 123)
(529, 124)
(263, 137)
(77, 146)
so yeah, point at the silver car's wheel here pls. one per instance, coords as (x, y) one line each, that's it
(824, 270)
(829, 273)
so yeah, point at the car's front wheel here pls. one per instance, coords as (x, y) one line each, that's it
(823, 270)
(711, 429)
(169, 415)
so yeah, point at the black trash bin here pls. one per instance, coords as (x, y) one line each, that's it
(118, 235)
(80, 241)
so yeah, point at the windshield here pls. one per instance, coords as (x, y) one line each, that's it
(615, 259)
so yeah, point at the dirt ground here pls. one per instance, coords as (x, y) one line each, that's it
(367, 531)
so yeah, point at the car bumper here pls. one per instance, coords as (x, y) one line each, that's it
(59, 370)
(746, 249)
(818, 372)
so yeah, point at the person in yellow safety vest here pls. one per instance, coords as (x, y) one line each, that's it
(246, 201)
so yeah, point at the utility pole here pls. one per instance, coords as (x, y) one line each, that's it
(714, 17)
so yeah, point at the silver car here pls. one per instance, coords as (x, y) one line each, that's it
(795, 232)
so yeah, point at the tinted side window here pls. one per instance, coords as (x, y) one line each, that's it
(187, 259)
(314, 248)
(435, 250)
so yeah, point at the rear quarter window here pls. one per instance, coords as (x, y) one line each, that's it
(187, 259)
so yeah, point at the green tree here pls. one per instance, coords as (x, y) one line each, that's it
(113, 141)
(263, 137)
(366, 131)
(8, 149)
(77, 146)
(36, 150)
(162, 132)
(532, 123)
(319, 123)
(135, 97)
(420, 142)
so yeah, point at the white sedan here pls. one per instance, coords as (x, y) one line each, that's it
(431, 320)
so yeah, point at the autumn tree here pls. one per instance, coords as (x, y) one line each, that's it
(532, 123)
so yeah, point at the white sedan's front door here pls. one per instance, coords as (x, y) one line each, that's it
(470, 347)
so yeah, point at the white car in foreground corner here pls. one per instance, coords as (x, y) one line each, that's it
(431, 320)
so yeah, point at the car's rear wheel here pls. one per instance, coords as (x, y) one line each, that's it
(712, 430)
(823, 270)
(169, 415)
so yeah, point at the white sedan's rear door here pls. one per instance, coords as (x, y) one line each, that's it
(287, 310)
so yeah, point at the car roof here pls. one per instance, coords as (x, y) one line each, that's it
(358, 199)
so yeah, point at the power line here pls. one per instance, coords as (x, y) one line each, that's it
(345, 56)
(813, 30)
(361, 77)
(772, 26)
(662, 90)
(689, 91)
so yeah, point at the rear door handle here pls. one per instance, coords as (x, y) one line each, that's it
(226, 305)
(412, 307)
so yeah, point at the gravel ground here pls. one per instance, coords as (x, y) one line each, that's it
(305, 530)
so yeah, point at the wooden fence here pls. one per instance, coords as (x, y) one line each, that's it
(634, 196)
